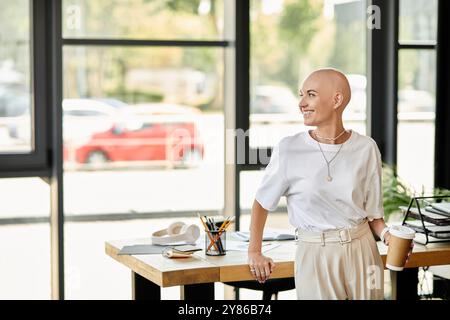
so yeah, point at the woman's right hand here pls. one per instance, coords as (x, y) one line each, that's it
(261, 266)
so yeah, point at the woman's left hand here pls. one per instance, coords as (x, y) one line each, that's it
(410, 251)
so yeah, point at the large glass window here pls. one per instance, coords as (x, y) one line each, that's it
(24, 239)
(24, 205)
(143, 19)
(416, 95)
(15, 77)
(416, 113)
(290, 39)
(143, 127)
(418, 20)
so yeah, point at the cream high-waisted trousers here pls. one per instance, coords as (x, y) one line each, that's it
(341, 264)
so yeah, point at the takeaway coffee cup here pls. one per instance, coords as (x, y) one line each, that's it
(399, 246)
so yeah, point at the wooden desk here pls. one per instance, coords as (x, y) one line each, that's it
(197, 275)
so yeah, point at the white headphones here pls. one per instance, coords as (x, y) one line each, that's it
(176, 232)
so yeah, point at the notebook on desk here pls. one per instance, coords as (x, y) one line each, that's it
(138, 249)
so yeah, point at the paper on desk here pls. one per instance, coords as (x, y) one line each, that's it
(243, 246)
(141, 249)
(268, 235)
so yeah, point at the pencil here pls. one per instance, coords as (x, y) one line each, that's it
(222, 227)
(208, 233)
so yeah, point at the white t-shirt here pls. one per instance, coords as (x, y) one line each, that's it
(298, 171)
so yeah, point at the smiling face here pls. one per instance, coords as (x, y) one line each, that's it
(324, 95)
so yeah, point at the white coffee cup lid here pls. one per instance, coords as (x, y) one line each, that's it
(402, 232)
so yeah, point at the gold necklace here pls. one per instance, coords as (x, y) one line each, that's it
(329, 139)
(329, 177)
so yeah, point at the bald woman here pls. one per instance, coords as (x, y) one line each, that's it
(331, 178)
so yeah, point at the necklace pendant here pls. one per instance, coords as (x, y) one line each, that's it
(329, 178)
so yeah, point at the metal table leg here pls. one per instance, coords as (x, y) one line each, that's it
(404, 284)
(144, 289)
(201, 291)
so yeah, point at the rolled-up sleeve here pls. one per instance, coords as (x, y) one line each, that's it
(374, 189)
(274, 184)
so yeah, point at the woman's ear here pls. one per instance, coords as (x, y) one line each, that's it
(337, 100)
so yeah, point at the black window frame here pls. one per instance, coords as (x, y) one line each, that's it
(442, 139)
(36, 162)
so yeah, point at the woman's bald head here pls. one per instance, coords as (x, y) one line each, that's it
(324, 96)
(332, 82)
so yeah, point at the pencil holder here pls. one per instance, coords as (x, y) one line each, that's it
(215, 243)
